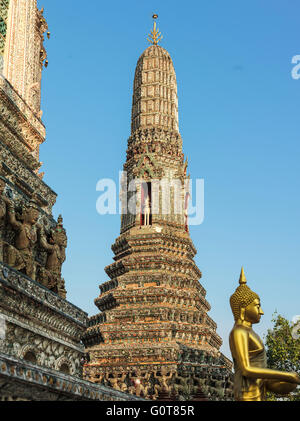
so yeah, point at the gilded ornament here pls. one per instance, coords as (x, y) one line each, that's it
(155, 35)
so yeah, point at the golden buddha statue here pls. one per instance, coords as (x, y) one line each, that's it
(252, 378)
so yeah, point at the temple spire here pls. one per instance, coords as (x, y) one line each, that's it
(153, 307)
(155, 102)
(155, 35)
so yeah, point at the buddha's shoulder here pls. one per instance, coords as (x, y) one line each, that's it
(239, 330)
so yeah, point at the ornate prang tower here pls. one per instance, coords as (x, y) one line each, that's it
(153, 336)
(40, 332)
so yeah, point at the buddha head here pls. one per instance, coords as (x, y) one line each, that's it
(245, 304)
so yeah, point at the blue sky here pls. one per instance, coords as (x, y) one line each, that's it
(238, 117)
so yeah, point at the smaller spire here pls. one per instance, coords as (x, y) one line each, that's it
(59, 220)
(243, 279)
(155, 35)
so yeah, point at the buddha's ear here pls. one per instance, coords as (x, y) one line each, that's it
(243, 309)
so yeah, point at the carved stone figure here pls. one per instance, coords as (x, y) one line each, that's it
(55, 246)
(164, 380)
(141, 383)
(20, 256)
(136, 379)
(122, 384)
(112, 380)
(3, 202)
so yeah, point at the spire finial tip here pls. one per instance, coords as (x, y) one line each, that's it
(154, 36)
(243, 279)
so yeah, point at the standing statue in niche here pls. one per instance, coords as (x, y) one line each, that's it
(147, 211)
(252, 378)
(55, 246)
(20, 256)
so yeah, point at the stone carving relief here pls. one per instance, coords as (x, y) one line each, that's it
(164, 378)
(31, 242)
(55, 245)
(48, 353)
(34, 97)
(20, 255)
